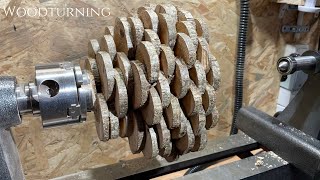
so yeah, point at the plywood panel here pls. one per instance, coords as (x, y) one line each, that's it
(27, 41)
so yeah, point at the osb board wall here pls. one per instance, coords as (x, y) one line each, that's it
(25, 42)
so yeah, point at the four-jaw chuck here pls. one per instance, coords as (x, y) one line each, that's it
(61, 94)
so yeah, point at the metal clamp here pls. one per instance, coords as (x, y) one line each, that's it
(295, 29)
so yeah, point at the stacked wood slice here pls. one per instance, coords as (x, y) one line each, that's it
(156, 81)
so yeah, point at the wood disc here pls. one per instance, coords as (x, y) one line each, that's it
(109, 30)
(151, 146)
(124, 127)
(203, 53)
(174, 156)
(184, 15)
(101, 113)
(152, 110)
(137, 30)
(121, 96)
(141, 85)
(212, 119)
(122, 62)
(202, 29)
(181, 82)
(198, 76)
(165, 152)
(91, 66)
(192, 102)
(163, 89)
(114, 126)
(93, 48)
(136, 139)
(149, 19)
(185, 49)
(151, 36)
(198, 122)
(104, 64)
(167, 30)
(163, 135)
(172, 113)
(122, 37)
(213, 76)
(186, 143)
(167, 9)
(167, 62)
(180, 131)
(108, 45)
(208, 99)
(200, 141)
(148, 6)
(146, 53)
(189, 29)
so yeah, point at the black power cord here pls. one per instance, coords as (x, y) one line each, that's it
(241, 54)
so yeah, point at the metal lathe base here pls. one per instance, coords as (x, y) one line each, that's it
(272, 166)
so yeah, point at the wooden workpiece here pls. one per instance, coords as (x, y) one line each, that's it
(114, 126)
(167, 30)
(180, 131)
(214, 76)
(122, 37)
(189, 29)
(202, 29)
(137, 30)
(167, 62)
(163, 137)
(147, 54)
(198, 122)
(185, 49)
(172, 113)
(169, 9)
(136, 138)
(200, 141)
(163, 89)
(186, 143)
(149, 19)
(198, 76)
(106, 72)
(101, 113)
(212, 119)
(150, 149)
(209, 99)
(141, 85)
(91, 66)
(93, 48)
(152, 110)
(203, 53)
(181, 82)
(152, 36)
(120, 94)
(108, 45)
(109, 30)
